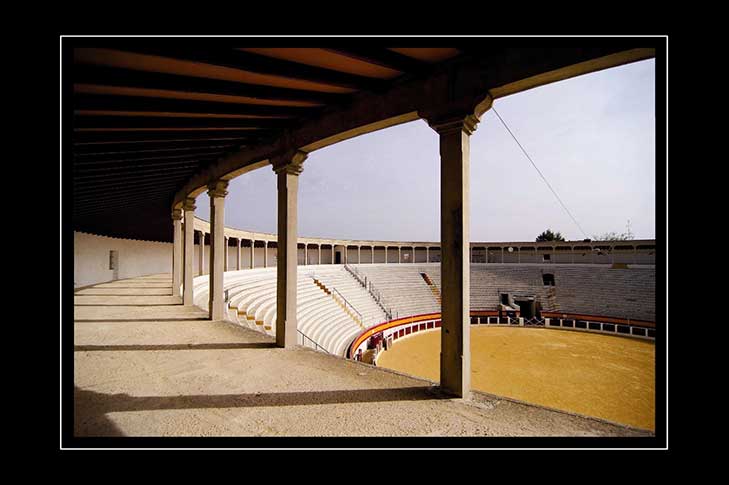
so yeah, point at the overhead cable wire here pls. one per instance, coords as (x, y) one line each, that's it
(539, 172)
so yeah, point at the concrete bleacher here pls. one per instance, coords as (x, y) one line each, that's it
(402, 286)
(329, 323)
(324, 319)
(582, 289)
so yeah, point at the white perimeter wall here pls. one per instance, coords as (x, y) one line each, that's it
(136, 258)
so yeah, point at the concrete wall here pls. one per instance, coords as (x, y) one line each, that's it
(135, 258)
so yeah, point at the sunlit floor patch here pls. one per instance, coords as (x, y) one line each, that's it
(597, 375)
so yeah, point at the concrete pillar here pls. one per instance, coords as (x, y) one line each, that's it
(359, 254)
(265, 254)
(201, 255)
(346, 254)
(237, 257)
(399, 254)
(318, 259)
(385, 254)
(225, 254)
(332, 253)
(287, 169)
(217, 192)
(177, 264)
(372, 255)
(306, 254)
(427, 254)
(188, 208)
(253, 253)
(502, 255)
(455, 357)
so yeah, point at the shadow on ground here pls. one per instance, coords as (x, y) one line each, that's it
(213, 346)
(91, 407)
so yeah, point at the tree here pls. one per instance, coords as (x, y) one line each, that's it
(613, 236)
(548, 235)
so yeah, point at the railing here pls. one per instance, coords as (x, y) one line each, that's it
(304, 338)
(376, 295)
(380, 300)
(344, 300)
(346, 303)
(353, 271)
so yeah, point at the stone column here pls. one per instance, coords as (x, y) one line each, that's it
(265, 254)
(217, 192)
(237, 257)
(177, 241)
(332, 253)
(427, 254)
(306, 253)
(455, 357)
(319, 255)
(502, 255)
(287, 169)
(372, 255)
(385, 254)
(399, 254)
(253, 253)
(225, 254)
(188, 208)
(346, 254)
(359, 254)
(201, 255)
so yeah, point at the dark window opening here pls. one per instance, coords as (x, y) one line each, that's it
(548, 279)
(546, 257)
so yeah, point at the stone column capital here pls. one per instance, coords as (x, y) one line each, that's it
(219, 188)
(453, 124)
(176, 214)
(449, 119)
(291, 163)
(189, 204)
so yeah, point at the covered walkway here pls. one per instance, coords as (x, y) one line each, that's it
(146, 365)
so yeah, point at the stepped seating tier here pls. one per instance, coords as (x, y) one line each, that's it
(414, 289)
(583, 289)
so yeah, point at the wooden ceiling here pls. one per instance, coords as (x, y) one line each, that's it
(146, 117)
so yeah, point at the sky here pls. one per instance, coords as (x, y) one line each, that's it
(592, 137)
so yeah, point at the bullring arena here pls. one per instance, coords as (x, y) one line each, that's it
(186, 327)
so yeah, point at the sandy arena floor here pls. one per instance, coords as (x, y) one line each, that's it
(597, 375)
(145, 365)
